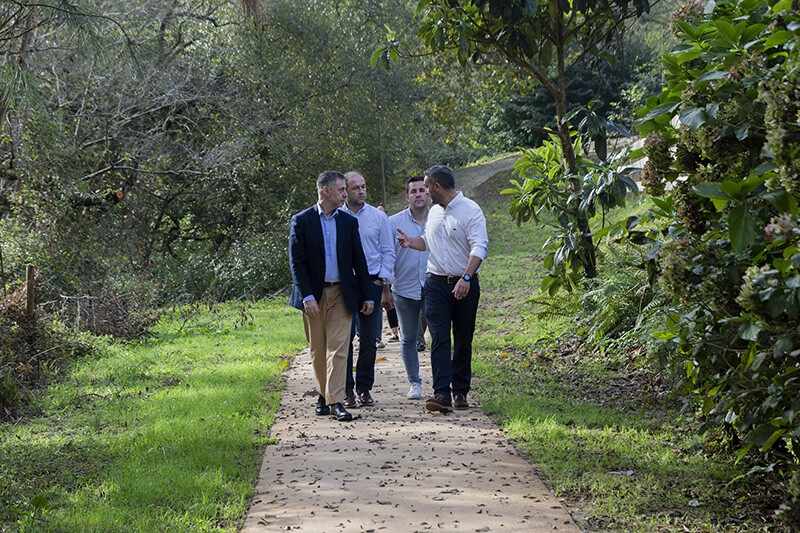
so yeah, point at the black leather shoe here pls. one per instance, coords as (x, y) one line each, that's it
(322, 408)
(365, 399)
(338, 412)
(349, 399)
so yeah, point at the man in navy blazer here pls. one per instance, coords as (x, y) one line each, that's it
(331, 283)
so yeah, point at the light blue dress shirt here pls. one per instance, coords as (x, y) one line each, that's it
(410, 265)
(331, 257)
(376, 239)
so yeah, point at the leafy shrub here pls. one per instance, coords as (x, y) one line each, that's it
(732, 257)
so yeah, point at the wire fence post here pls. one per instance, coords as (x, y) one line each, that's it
(30, 289)
(2, 273)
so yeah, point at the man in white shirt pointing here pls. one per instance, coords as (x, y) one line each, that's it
(456, 239)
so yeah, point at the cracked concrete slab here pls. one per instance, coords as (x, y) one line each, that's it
(396, 467)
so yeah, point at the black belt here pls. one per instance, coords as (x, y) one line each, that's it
(450, 280)
(332, 283)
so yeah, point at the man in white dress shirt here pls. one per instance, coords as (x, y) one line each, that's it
(378, 243)
(456, 238)
(410, 267)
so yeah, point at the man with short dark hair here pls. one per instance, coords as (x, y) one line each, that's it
(456, 238)
(331, 282)
(410, 267)
(378, 244)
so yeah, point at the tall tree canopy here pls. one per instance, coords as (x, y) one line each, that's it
(169, 142)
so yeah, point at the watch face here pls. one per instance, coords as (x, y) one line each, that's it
(466, 277)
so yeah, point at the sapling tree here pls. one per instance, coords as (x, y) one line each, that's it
(551, 42)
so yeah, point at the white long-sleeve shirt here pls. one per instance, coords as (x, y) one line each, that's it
(453, 234)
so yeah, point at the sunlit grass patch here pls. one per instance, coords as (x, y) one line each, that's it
(163, 435)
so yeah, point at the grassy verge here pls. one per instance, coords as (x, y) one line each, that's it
(164, 435)
(597, 419)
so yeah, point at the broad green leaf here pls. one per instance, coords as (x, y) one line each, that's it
(570, 115)
(665, 205)
(782, 265)
(749, 331)
(688, 29)
(373, 60)
(765, 436)
(773, 439)
(741, 228)
(714, 75)
(693, 117)
(689, 55)
(782, 200)
(743, 131)
(727, 31)
(747, 185)
(743, 452)
(712, 191)
(748, 356)
(669, 107)
(778, 38)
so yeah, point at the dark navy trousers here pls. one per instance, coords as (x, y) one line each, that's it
(369, 327)
(452, 369)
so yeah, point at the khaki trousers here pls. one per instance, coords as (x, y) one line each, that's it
(328, 337)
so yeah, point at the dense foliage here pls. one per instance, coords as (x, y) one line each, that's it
(722, 141)
(551, 43)
(161, 147)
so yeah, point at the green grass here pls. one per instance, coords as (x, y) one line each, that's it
(619, 456)
(164, 435)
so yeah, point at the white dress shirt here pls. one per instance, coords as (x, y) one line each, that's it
(453, 234)
(410, 265)
(376, 239)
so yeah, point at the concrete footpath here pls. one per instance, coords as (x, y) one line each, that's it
(396, 467)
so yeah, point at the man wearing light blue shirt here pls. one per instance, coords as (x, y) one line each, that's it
(377, 241)
(409, 277)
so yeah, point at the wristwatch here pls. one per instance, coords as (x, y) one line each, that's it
(466, 277)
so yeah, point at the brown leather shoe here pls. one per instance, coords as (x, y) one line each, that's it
(349, 399)
(439, 403)
(365, 399)
(460, 401)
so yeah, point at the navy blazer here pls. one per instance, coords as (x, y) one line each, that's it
(307, 259)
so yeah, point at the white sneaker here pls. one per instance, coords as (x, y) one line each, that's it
(415, 391)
